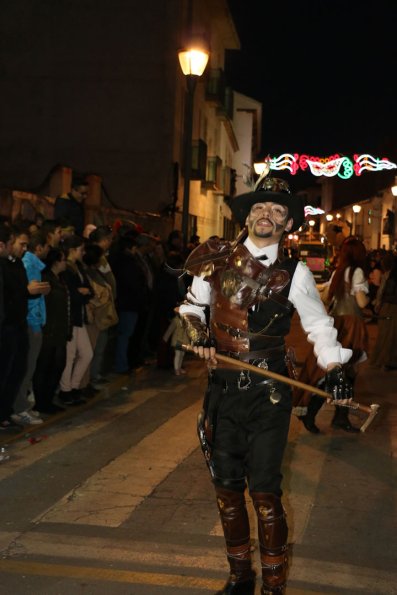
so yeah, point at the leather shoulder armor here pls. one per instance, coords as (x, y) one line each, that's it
(207, 257)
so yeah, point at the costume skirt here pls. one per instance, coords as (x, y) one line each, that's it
(385, 349)
(352, 334)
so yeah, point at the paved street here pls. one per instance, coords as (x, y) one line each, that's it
(114, 497)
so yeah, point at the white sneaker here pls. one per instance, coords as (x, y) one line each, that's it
(33, 413)
(31, 398)
(25, 419)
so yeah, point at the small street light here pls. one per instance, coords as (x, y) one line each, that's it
(193, 62)
(394, 188)
(262, 167)
(356, 210)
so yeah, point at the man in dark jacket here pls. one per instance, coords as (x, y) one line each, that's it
(56, 332)
(132, 297)
(14, 344)
(5, 247)
(71, 207)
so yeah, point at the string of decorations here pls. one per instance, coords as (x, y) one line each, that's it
(334, 165)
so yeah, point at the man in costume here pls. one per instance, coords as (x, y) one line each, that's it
(251, 292)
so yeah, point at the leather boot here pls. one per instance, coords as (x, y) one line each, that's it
(313, 408)
(273, 534)
(242, 588)
(274, 591)
(341, 420)
(234, 517)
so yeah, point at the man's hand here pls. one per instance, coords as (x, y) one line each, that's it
(39, 288)
(207, 353)
(83, 290)
(338, 385)
(200, 341)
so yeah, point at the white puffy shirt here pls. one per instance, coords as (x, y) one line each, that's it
(304, 296)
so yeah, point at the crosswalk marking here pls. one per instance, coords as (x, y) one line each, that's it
(162, 451)
(109, 496)
(317, 574)
(23, 453)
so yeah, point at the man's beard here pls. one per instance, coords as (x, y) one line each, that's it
(263, 233)
(268, 232)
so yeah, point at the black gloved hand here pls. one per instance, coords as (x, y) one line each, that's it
(338, 385)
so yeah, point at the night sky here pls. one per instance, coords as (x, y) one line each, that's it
(324, 71)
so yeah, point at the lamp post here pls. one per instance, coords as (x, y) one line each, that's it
(193, 62)
(356, 210)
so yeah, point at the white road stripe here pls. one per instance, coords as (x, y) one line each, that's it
(23, 453)
(109, 496)
(316, 573)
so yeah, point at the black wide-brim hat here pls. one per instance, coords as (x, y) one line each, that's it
(273, 190)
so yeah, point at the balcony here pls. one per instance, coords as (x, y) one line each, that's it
(199, 160)
(225, 110)
(215, 87)
(214, 178)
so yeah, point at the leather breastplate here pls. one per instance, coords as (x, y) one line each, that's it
(245, 296)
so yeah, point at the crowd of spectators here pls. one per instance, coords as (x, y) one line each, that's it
(75, 308)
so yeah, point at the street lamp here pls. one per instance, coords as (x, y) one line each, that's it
(356, 210)
(262, 167)
(394, 188)
(193, 62)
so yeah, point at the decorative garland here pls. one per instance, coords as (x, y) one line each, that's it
(331, 166)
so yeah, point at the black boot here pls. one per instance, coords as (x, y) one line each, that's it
(341, 420)
(241, 588)
(273, 591)
(313, 408)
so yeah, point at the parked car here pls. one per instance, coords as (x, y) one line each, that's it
(317, 254)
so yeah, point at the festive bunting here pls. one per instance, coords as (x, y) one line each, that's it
(334, 165)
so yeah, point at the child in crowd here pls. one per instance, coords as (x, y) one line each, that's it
(177, 334)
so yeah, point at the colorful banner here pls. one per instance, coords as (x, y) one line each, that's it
(335, 165)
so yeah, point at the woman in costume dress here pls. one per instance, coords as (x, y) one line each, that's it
(347, 296)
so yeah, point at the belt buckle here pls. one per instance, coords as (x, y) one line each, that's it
(260, 363)
(244, 380)
(234, 332)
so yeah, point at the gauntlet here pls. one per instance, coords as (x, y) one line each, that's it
(196, 331)
(338, 385)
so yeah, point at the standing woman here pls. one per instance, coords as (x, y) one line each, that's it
(385, 350)
(78, 350)
(347, 296)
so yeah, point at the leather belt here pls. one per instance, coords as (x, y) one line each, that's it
(249, 356)
(240, 380)
(238, 332)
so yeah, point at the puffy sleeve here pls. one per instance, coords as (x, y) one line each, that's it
(359, 282)
(197, 298)
(315, 321)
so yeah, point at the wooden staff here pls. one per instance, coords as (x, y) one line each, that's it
(371, 410)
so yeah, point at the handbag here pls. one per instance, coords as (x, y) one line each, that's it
(101, 309)
(345, 306)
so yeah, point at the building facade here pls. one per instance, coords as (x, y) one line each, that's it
(96, 89)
